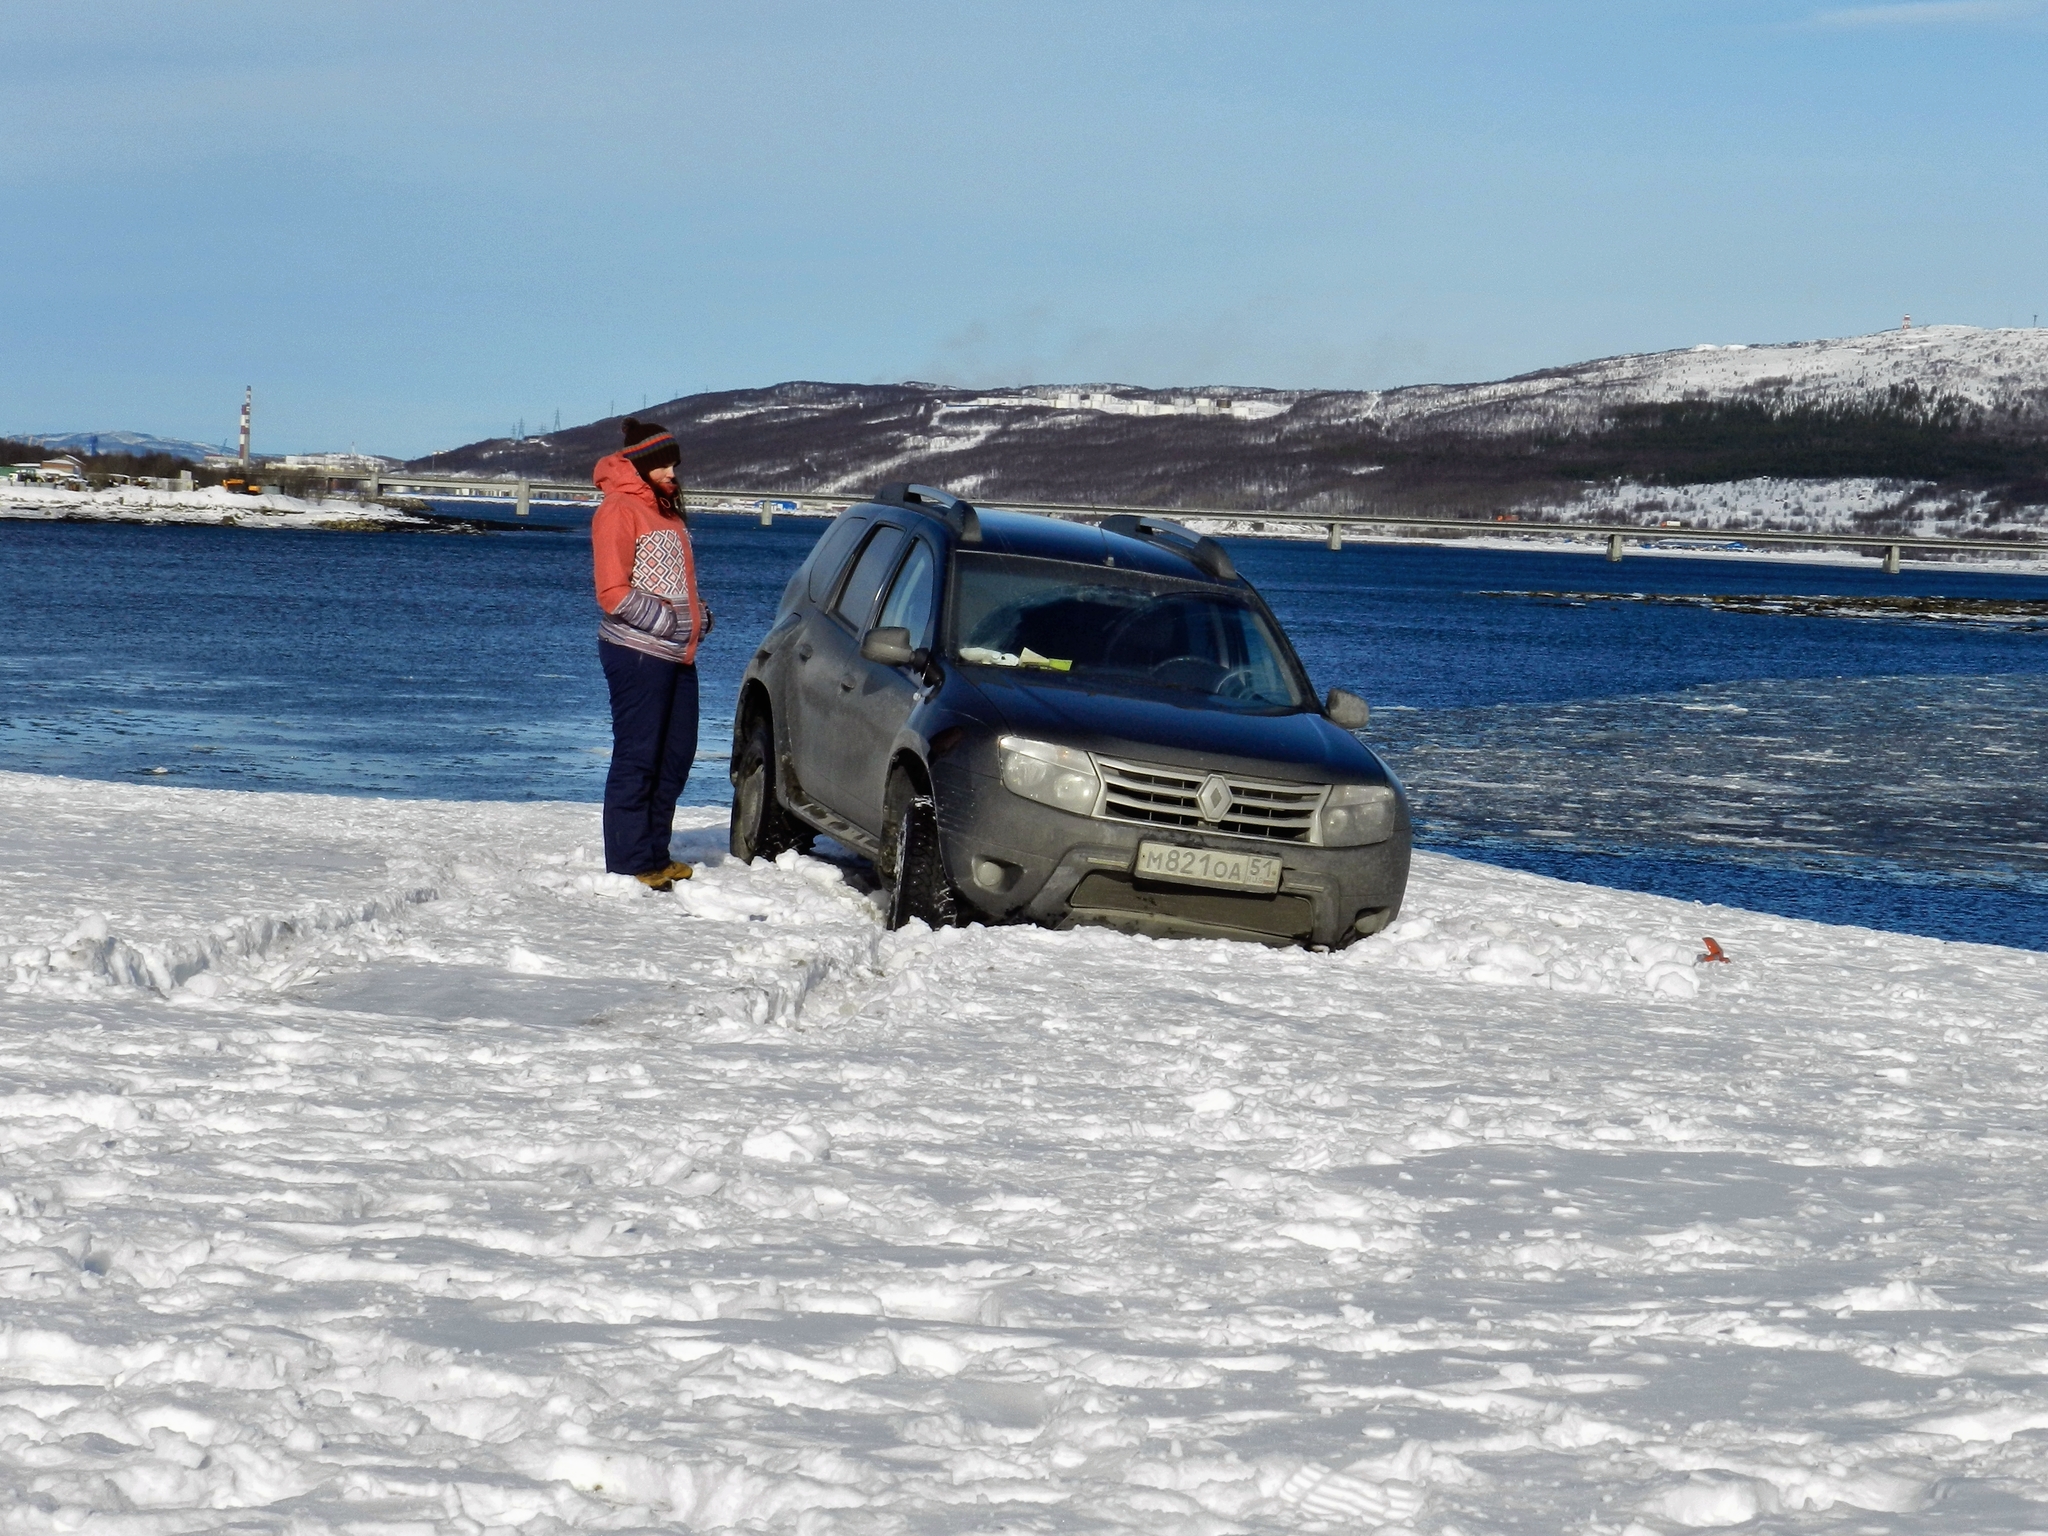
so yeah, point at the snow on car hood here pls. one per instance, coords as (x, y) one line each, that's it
(1152, 728)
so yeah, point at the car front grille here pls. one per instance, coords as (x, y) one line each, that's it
(1160, 796)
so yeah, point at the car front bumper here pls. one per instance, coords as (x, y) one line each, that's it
(1015, 859)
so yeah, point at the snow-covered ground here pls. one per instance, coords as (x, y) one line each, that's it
(379, 1166)
(1856, 505)
(211, 505)
(1819, 506)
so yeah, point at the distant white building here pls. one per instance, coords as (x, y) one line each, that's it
(1179, 405)
(61, 470)
(1126, 405)
(347, 463)
(1005, 401)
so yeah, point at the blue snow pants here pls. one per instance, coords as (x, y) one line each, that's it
(654, 741)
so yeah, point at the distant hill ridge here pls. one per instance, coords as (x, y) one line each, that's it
(1944, 405)
(141, 444)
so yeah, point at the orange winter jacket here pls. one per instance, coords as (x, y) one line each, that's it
(646, 572)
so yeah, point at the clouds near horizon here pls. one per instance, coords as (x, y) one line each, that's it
(1936, 13)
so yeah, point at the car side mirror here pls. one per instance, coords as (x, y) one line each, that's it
(1346, 709)
(891, 646)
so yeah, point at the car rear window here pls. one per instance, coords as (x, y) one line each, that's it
(877, 560)
(828, 559)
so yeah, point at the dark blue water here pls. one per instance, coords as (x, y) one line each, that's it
(1870, 771)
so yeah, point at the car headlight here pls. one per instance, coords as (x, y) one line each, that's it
(1055, 776)
(1358, 813)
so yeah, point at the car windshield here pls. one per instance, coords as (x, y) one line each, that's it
(1106, 626)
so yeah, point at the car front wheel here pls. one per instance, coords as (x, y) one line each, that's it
(922, 889)
(761, 828)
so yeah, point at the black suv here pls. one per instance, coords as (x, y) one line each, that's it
(1017, 717)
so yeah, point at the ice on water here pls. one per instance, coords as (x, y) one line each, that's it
(1914, 780)
(385, 1165)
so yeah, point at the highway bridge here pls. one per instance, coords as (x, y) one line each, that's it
(1361, 522)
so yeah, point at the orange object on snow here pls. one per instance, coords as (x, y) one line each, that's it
(1712, 955)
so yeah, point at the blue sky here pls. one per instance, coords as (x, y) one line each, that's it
(411, 225)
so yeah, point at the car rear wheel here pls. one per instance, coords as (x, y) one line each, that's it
(761, 828)
(922, 890)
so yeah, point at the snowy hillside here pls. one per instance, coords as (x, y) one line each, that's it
(138, 443)
(1947, 412)
(380, 1166)
(2004, 372)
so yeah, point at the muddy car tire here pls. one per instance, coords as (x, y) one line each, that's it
(761, 828)
(923, 889)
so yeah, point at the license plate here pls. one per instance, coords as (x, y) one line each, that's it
(1208, 866)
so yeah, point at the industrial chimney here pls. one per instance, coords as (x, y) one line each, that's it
(248, 395)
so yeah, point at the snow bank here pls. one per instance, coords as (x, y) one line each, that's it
(374, 1165)
(209, 506)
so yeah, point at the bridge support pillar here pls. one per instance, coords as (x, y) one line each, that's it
(522, 497)
(1336, 535)
(767, 515)
(1891, 559)
(372, 488)
(1614, 546)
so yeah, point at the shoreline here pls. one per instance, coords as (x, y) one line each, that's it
(1481, 861)
(210, 507)
(216, 508)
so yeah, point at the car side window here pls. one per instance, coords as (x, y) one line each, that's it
(829, 558)
(857, 597)
(909, 604)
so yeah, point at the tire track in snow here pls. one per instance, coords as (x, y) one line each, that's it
(92, 953)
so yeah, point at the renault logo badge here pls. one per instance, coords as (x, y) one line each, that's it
(1214, 800)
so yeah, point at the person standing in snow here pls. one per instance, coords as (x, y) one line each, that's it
(653, 621)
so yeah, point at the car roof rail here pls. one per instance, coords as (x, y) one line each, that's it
(958, 512)
(1181, 539)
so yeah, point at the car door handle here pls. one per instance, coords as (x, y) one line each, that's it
(803, 652)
